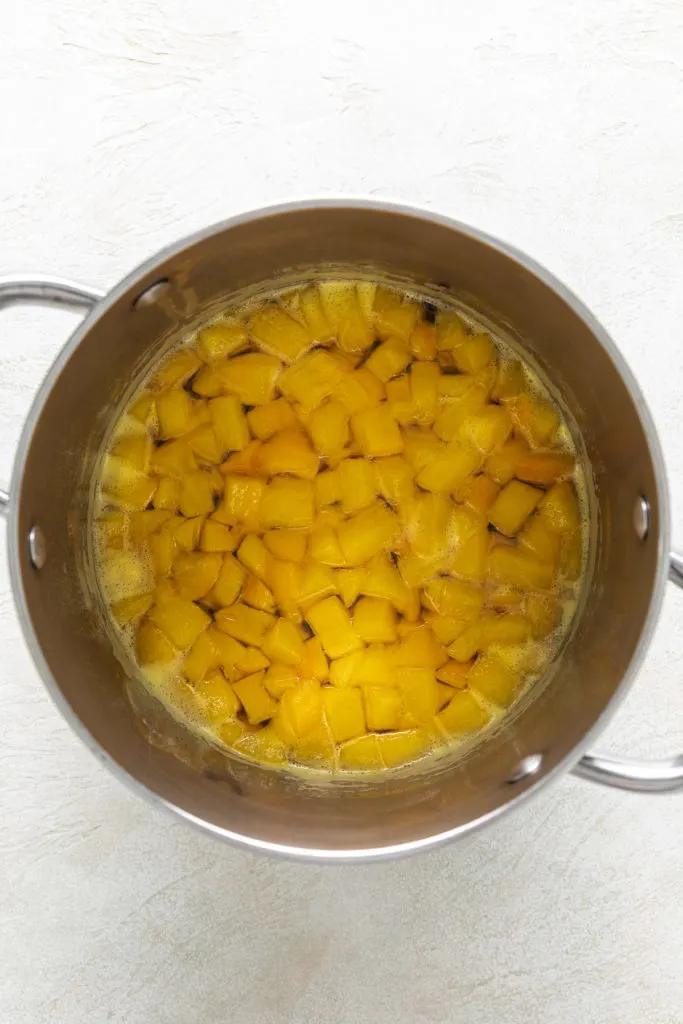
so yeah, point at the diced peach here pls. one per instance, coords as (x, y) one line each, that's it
(195, 573)
(420, 649)
(144, 408)
(316, 582)
(394, 479)
(279, 678)
(340, 301)
(167, 494)
(217, 537)
(535, 418)
(128, 609)
(312, 379)
(288, 452)
(229, 583)
(344, 671)
(344, 713)
(327, 488)
(176, 369)
(398, 748)
(420, 696)
(361, 754)
(229, 422)
(284, 643)
(519, 568)
(394, 315)
(357, 485)
(383, 705)
(136, 450)
(506, 629)
(488, 429)
(544, 468)
(263, 745)
(445, 628)
(244, 623)
(252, 377)
(454, 674)
(288, 503)
(376, 431)
(181, 620)
(374, 619)
(266, 420)
(501, 466)
(254, 555)
(285, 582)
(389, 359)
(539, 538)
(241, 501)
(278, 332)
(422, 341)
(375, 667)
(221, 339)
(314, 316)
(456, 598)
(421, 447)
(513, 506)
(400, 400)
(301, 710)
(358, 391)
(349, 584)
(314, 664)
(257, 595)
(510, 381)
(152, 646)
(424, 382)
(473, 352)
(493, 679)
(447, 471)
(374, 529)
(560, 508)
(383, 580)
(324, 547)
(204, 444)
(196, 494)
(473, 399)
(254, 698)
(463, 715)
(331, 622)
(478, 492)
(289, 545)
(328, 426)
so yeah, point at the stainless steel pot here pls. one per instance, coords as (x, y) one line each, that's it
(409, 811)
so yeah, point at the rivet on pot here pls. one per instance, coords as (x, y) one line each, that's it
(151, 294)
(527, 766)
(641, 517)
(37, 548)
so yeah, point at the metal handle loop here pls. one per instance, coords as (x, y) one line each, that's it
(643, 776)
(45, 291)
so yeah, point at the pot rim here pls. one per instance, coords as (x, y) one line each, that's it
(543, 778)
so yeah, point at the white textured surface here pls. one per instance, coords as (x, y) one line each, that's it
(128, 123)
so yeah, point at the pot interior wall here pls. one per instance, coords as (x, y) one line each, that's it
(89, 382)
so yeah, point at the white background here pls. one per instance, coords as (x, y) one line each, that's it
(126, 124)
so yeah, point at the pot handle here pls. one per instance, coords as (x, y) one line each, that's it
(45, 291)
(644, 776)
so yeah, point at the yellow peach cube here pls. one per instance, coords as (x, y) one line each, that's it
(454, 674)
(539, 538)
(314, 664)
(518, 568)
(349, 583)
(420, 649)
(344, 713)
(478, 492)
(195, 573)
(382, 579)
(501, 466)
(221, 339)
(449, 421)
(424, 383)
(279, 678)
(312, 379)
(361, 536)
(505, 629)
(361, 754)
(473, 353)
(174, 410)
(393, 315)
(324, 547)
(463, 714)
(400, 400)
(375, 667)
(201, 658)
(421, 447)
(398, 748)
(266, 420)
(263, 745)
(284, 643)
(328, 426)
(175, 458)
(196, 494)
(422, 341)
(486, 430)
(356, 485)
(383, 706)
(510, 381)
(544, 468)
(394, 479)
(254, 555)
(288, 503)
(218, 698)
(535, 418)
(358, 391)
(456, 598)
(128, 609)
(254, 698)
(216, 537)
(374, 619)
(494, 680)
(176, 369)
(152, 646)
(289, 545)
(285, 582)
(331, 622)
(447, 471)
(241, 501)
(252, 377)
(314, 316)
(513, 506)
(278, 332)
(389, 359)
(244, 623)
(301, 710)
(229, 582)
(290, 452)
(167, 494)
(229, 422)
(257, 595)
(315, 582)
(181, 620)
(560, 508)
(418, 688)
(345, 671)
(377, 432)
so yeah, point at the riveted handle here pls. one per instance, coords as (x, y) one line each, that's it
(643, 776)
(44, 290)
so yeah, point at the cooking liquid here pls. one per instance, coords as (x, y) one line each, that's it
(351, 609)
